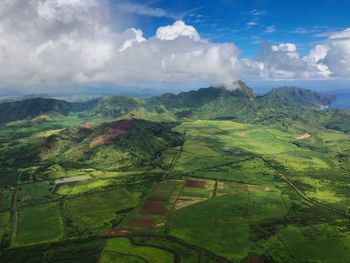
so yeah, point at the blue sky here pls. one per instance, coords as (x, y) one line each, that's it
(247, 23)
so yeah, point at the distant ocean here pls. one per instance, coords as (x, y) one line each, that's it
(343, 99)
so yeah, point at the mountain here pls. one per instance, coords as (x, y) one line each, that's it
(294, 96)
(198, 98)
(11, 111)
(117, 144)
(281, 105)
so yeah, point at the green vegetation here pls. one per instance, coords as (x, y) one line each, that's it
(5, 200)
(6, 225)
(83, 250)
(99, 211)
(203, 176)
(38, 224)
(35, 193)
(133, 253)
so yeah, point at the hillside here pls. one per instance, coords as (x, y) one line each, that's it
(115, 145)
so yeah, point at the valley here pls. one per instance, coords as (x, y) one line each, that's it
(203, 176)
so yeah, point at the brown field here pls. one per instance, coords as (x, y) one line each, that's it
(195, 184)
(157, 198)
(153, 207)
(142, 222)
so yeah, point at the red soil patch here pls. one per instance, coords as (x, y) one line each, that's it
(121, 128)
(152, 207)
(101, 141)
(142, 222)
(304, 136)
(195, 184)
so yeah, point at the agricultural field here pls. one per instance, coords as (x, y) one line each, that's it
(155, 208)
(6, 227)
(5, 200)
(39, 224)
(30, 194)
(99, 212)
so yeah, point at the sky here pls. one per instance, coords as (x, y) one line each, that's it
(52, 45)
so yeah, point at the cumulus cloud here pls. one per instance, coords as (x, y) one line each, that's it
(330, 59)
(179, 28)
(336, 53)
(282, 61)
(69, 42)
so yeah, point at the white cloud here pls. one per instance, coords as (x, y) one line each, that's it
(144, 10)
(179, 28)
(270, 29)
(132, 36)
(70, 42)
(252, 24)
(278, 62)
(254, 12)
(328, 60)
(316, 58)
(338, 53)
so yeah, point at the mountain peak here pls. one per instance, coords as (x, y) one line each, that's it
(243, 90)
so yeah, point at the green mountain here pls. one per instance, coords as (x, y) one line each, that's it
(30, 108)
(116, 145)
(294, 96)
(208, 103)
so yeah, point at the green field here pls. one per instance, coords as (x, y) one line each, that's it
(35, 193)
(99, 212)
(38, 224)
(5, 200)
(123, 250)
(6, 228)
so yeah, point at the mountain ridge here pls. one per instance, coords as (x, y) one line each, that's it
(240, 104)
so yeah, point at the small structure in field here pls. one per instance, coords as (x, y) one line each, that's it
(304, 136)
